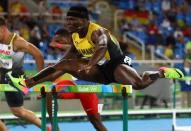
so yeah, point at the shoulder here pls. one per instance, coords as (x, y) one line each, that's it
(20, 43)
(99, 32)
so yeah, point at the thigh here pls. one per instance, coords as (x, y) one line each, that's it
(89, 102)
(66, 96)
(14, 99)
(125, 74)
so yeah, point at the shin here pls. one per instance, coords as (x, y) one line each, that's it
(95, 119)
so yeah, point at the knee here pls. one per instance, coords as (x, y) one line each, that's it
(137, 85)
(137, 81)
(19, 112)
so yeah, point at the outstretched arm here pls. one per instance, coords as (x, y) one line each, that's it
(50, 73)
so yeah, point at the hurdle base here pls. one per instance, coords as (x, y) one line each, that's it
(181, 128)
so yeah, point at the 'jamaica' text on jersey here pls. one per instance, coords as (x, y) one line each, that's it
(87, 52)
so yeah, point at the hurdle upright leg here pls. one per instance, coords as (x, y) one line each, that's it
(43, 109)
(54, 109)
(125, 109)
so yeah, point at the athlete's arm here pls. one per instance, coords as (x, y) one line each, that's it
(22, 45)
(57, 42)
(65, 43)
(100, 39)
(59, 46)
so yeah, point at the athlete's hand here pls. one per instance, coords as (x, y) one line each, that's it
(53, 44)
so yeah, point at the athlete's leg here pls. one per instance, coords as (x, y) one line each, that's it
(28, 115)
(15, 101)
(60, 96)
(90, 104)
(127, 75)
(2, 75)
(66, 66)
(2, 126)
(49, 107)
(95, 119)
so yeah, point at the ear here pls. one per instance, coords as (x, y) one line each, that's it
(85, 21)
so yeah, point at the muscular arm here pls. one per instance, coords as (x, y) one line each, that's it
(100, 39)
(22, 45)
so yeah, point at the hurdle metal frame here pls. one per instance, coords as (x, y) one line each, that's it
(55, 106)
(174, 125)
(43, 89)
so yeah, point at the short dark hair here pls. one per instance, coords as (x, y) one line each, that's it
(78, 11)
(62, 32)
(2, 21)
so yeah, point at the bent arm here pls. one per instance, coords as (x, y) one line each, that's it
(100, 39)
(22, 45)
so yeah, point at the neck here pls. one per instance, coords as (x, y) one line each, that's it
(7, 37)
(83, 32)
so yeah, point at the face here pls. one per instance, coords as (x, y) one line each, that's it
(61, 39)
(75, 24)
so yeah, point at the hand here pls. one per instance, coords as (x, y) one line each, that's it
(53, 44)
(86, 68)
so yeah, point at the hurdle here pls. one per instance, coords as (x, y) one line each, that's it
(79, 88)
(175, 127)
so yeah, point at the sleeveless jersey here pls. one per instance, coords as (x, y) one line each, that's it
(86, 47)
(8, 57)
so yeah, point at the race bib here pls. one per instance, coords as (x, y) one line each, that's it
(127, 60)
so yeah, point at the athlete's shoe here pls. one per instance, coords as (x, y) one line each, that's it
(172, 73)
(48, 128)
(18, 83)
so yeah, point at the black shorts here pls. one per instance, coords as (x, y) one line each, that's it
(109, 67)
(14, 99)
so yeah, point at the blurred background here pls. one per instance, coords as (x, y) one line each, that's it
(153, 33)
